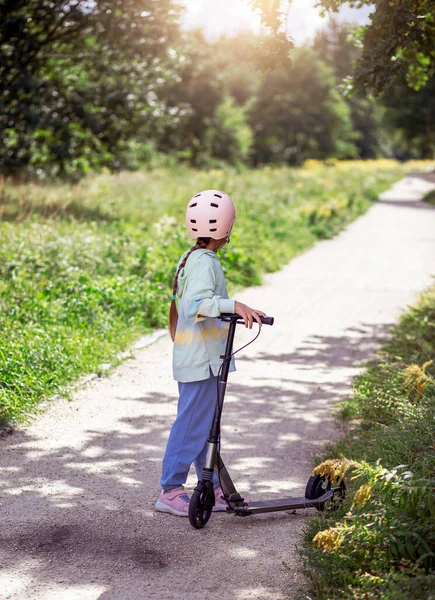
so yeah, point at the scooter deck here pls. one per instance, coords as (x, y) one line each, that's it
(265, 506)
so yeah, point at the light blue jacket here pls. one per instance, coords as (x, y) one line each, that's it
(200, 339)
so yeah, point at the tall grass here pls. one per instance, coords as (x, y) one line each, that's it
(383, 546)
(85, 269)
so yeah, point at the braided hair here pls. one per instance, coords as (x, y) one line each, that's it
(201, 242)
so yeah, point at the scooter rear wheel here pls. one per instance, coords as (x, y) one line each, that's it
(201, 506)
(317, 486)
(320, 484)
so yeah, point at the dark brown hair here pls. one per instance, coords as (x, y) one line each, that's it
(173, 312)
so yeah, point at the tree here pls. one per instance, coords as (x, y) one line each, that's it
(79, 79)
(229, 136)
(299, 114)
(398, 42)
(208, 124)
(411, 114)
(236, 61)
(193, 100)
(275, 48)
(336, 46)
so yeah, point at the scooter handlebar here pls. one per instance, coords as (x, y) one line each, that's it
(238, 318)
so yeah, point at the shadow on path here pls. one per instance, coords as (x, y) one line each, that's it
(94, 497)
(407, 204)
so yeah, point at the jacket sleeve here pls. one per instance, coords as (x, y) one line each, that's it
(200, 301)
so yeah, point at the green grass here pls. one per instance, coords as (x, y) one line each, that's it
(85, 269)
(385, 542)
(430, 198)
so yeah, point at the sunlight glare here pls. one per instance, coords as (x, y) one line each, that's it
(231, 16)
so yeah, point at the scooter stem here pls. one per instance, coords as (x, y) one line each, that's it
(222, 384)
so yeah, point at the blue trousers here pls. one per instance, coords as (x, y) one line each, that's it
(187, 441)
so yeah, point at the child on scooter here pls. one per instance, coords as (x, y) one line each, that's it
(199, 341)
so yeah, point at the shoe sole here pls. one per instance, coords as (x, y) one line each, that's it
(162, 507)
(220, 506)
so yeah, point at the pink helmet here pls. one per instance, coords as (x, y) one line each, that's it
(210, 214)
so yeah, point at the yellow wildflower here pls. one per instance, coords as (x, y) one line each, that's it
(362, 495)
(312, 163)
(334, 468)
(329, 539)
(307, 208)
(324, 211)
(416, 380)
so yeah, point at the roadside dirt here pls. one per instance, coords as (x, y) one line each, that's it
(78, 485)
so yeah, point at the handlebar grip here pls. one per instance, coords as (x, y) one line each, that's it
(236, 317)
(267, 320)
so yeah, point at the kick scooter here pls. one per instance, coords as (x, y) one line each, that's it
(318, 492)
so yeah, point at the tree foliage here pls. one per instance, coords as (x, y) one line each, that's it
(113, 83)
(299, 114)
(335, 44)
(410, 119)
(193, 98)
(229, 136)
(78, 79)
(275, 48)
(400, 122)
(399, 42)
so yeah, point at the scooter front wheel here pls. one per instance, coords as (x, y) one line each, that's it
(201, 505)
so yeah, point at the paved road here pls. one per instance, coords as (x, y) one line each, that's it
(78, 485)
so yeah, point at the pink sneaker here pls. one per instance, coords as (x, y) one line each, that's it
(221, 504)
(175, 501)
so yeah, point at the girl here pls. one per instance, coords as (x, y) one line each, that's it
(199, 341)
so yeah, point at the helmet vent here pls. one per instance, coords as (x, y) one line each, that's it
(197, 195)
(213, 229)
(193, 220)
(213, 204)
(194, 229)
(217, 195)
(192, 205)
(212, 221)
